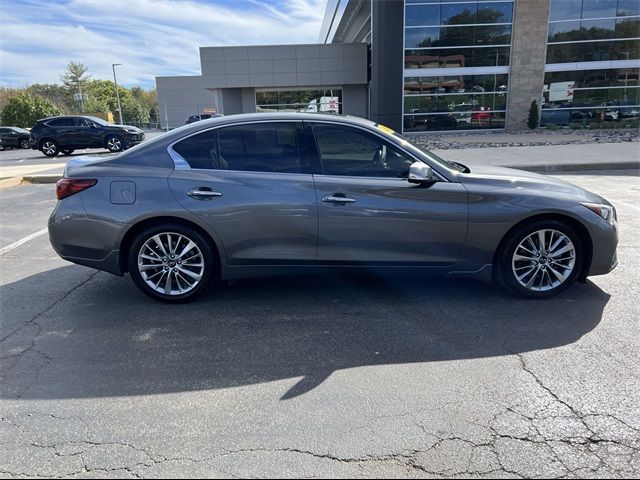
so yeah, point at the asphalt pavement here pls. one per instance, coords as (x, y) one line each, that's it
(326, 376)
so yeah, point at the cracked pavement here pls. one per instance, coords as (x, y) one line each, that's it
(353, 376)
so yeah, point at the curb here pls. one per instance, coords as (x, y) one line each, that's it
(578, 167)
(562, 167)
(45, 178)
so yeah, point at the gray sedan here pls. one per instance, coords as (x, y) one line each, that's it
(258, 195)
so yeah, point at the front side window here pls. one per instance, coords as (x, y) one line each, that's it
(353, 152)
(260, 147)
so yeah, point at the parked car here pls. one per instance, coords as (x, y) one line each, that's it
(255, 195)
(65, 134)
(201, 116)
(14, 137)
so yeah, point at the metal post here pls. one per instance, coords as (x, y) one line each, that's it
(166, 119)
(81, 99)
(113, 66)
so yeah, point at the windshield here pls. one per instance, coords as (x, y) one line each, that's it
(432, 156)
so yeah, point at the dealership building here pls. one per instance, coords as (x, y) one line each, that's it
(427, 65)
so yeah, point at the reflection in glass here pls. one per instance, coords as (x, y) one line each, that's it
(311, 101)
(455, 84)
(565, 9)
(420, 15)
(466, 120)
(628, 7)
(599, 8)
(593, 51)
(458, 14)
(457, 57)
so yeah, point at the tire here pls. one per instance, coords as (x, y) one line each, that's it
(114, 143)
(24, 143)
(67, 151)
(50, 148)
(532, 272)
(187, 280)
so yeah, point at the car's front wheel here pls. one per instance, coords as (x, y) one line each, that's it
(50, 148)
(171, 262)
(24, 143)
(541, 259)
(114, 143)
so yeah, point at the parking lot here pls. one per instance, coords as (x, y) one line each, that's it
(351, 376)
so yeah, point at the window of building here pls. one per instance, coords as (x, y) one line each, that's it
(311, 101)
(353, 152)
(441, 35)
(591, 96)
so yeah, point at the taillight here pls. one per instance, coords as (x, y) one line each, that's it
(65, 187)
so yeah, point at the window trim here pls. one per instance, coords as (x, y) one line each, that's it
(180, 163)
(442, 177)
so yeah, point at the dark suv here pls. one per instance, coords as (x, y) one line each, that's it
(65, 134)
(14, 137)
(202, 116)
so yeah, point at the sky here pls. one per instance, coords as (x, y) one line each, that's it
(148, 37)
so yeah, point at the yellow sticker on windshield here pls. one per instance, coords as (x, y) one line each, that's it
(385, 129)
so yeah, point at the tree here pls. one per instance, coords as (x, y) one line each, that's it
(59, 95)
(133, 112)
(75, 74)
(532, 122)
(24, 109)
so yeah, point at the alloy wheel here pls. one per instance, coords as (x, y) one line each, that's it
(49, 148)
(171, 263)
(114, 144)
(544, 260)
(24, 143)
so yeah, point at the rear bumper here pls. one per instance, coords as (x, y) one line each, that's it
(80, 239)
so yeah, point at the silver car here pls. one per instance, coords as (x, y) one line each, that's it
(264, 194)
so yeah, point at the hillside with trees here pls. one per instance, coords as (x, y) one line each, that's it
(21, 107)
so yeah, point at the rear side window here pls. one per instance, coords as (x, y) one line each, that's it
(260, 147)
(61, 122)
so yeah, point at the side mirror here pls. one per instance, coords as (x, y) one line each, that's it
(420, 173)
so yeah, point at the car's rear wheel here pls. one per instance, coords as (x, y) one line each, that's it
(171, 262)
(541, 259)
(24, 143)
(50, 148)
(67, 151)
(114, 143)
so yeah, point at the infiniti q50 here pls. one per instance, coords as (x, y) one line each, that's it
(257, 195)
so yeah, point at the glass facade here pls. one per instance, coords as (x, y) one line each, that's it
(312, 101)
(586, 31)
(461, 35)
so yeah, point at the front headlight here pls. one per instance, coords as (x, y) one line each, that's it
(607, 212)
(133, 132)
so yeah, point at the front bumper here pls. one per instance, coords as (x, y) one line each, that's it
(132, 139)
(605, 243)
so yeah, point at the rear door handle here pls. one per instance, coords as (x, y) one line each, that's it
(337, 198)
(203, 193)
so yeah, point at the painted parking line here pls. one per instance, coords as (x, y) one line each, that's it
(8, 248)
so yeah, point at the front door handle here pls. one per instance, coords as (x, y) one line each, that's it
(337, 198)
(203, 193)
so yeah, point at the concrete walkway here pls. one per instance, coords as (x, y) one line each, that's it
(553, 158)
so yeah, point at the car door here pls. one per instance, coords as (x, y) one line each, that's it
(63, 130)
(8, 140)
(368, 211)
(86, 134)
(252, 184)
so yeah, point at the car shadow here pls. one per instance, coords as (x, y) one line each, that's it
(106, 338)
